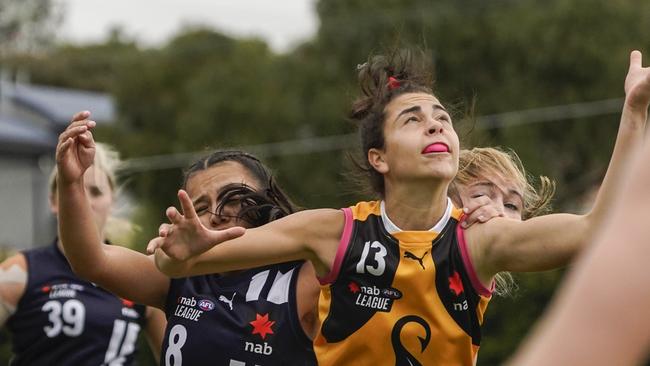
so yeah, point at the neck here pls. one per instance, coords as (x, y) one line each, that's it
(416, 206)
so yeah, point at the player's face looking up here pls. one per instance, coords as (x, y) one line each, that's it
(206, 188)
(420, 141)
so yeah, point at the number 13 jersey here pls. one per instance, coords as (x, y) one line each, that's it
(400, 297)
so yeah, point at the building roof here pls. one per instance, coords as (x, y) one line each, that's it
(23, 138)
(21, 134)
(59, 104)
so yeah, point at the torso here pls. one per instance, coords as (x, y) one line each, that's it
(246, 318)
(400, 298)
(64, 320)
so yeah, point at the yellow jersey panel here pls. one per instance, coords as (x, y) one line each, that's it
(399, 299)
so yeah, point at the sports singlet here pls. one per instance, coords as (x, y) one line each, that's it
(400, 297)
(240, 319)
(64, 320)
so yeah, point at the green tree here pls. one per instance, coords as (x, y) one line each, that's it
(27, 26)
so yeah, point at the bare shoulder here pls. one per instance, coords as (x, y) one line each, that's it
(13, 279)
(15, 260)
(323, 222)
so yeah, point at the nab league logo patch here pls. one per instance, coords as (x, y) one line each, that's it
(206, 305)
(372, 297)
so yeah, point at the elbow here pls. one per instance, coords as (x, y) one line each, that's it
(91, 273)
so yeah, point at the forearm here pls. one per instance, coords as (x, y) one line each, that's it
(171, 267)
(538, 244)
(253, 249)
(628, 140)
(78, 232)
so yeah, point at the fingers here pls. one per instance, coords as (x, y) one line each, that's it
(80, 116)
(220, 236)
(165, 230)
(481, 215)
(63, 147)
(475, 203)
(173, 215)
(480, 209)
(87, 139)
(154, 244)
(636, 59)
(186, 204)
(73, 131)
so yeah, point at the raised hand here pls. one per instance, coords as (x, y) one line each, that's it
(75, 151)
(185, 236)
(479, 210)
(637, 83)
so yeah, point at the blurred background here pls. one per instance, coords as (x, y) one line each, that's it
(168, 80)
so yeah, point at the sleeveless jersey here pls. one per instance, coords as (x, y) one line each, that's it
(64, 320)
(240, 319)
(400, 297)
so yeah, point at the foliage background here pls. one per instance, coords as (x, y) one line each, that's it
(204, 90)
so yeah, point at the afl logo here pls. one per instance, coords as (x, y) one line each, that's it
(206, 305)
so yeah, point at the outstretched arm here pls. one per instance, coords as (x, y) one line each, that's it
(187, 248)
(612, 279)
(551, 241)
(123, 271)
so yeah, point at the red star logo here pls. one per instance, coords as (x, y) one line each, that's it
(45, 289)
(455, 284)
(127, 303)
(354, 288)
(262, 325)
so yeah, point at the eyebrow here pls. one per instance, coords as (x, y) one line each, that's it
(222, 190)
(418, 109)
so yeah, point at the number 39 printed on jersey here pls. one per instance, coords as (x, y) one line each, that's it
(69, 318)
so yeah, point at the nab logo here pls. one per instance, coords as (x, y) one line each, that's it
(127, 303)
(206, 305)
(456, 284)
(262, 325)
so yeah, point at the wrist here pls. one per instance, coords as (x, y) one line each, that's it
(636, 107)
(64, 184)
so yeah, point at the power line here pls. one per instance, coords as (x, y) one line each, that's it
(346, 141)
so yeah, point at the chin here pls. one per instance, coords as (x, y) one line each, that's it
(443, 173)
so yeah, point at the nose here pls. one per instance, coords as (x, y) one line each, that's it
(434, 126)
(500, 208)
(219, 220)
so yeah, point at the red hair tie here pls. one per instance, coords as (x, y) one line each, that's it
(393, 83)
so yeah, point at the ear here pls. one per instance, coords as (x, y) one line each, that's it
(54, 203)
(376, 160)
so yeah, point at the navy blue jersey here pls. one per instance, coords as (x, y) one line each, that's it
(242, 319)
(64, 320)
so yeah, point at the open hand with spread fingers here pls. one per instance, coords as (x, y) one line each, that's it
(185, 237)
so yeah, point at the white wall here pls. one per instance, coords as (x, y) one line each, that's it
(25, 219)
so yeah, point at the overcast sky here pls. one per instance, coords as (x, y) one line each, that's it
(282, 23)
